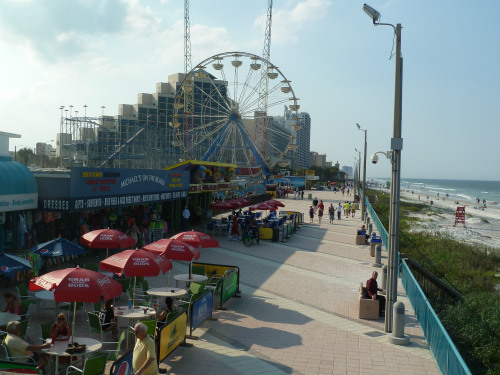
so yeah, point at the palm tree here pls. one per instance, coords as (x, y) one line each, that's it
(25, 155)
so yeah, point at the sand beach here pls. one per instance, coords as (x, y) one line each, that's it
(482, 225)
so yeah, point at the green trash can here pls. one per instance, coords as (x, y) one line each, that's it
(309, 196)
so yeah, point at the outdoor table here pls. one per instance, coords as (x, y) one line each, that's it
(220, 227)
(137, 312)
(185, 277)
(6, 317)
(58, 349)
(167, 292)
(46, 295)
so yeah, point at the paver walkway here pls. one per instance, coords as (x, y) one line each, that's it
(298, 309)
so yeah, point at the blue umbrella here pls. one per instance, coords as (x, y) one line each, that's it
(57, 247)
(10, 264)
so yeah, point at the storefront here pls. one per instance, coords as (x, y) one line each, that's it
(147, 202)
(18, 197)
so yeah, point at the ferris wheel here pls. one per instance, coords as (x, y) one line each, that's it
(226, 122)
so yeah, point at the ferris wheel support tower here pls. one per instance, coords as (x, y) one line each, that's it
(261, 115)
(188, 87)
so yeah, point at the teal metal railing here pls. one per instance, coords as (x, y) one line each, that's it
(448, 358)
(380, 228)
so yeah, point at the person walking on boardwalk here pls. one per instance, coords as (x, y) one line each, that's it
(320, 213)
(315, 203)
(339, 211)
(331, 212)
(144, 357)
(311, 213)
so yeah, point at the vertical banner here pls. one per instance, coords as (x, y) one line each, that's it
(172, 335)
(202, 309)
(229, 285)
(123, 365)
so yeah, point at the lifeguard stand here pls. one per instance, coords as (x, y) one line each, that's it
(460, 216)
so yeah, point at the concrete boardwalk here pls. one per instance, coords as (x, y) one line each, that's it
(297, 313)
(298, 310)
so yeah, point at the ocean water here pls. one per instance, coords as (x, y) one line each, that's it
(461, 190)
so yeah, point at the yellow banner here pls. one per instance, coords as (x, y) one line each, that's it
(310, 172)
(214, 269)
(172, 335)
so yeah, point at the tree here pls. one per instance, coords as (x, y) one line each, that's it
(25, 156)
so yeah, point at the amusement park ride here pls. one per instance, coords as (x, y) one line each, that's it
(227, 109)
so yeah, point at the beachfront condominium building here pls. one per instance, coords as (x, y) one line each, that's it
(304, 141)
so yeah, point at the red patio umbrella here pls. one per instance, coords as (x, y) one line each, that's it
(242, 202)
(261, 206)
(107, 239)
(174, 249)
(224, 205)
(196, 239)
(133, 263)
(275, 203)
(77, 285)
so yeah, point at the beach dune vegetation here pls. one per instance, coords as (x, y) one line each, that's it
(473, 321)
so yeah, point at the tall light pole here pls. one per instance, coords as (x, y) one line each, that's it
(359, 168)
(396, 147)
(364, 179)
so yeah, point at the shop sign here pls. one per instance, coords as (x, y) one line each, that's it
(18, 202)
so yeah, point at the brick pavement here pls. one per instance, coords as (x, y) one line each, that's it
(298, 310)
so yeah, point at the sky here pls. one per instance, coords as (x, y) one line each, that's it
(104, 52)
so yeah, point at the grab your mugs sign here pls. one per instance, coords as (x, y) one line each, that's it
(84, 282)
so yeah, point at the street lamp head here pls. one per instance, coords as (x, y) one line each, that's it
(359, 127)
(372, 13)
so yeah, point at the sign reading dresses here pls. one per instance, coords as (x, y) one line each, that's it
(96, 188)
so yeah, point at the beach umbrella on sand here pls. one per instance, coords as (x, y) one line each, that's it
(242, 202)
(107, 239)
(174, 250)
(77, 285)
(57, 247)
(133, 263)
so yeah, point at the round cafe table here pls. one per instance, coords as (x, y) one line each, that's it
(6, 317)
(137, 312)
(167, 292)
(193, 279)
(58, 349)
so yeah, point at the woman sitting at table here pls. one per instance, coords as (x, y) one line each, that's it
(110, 323)
(169, 307)
(13, 306)
(61, 329)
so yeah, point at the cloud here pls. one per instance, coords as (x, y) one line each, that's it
(59, 30)
(287, 23)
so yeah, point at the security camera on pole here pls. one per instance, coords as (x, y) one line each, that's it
(396, 147)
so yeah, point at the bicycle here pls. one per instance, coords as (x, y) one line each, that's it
(249, 235)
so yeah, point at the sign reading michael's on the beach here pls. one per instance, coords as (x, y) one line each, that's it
(96, 188)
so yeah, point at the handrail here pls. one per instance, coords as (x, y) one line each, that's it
(380, 228)
(446, 354)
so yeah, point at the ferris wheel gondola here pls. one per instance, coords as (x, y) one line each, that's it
(225, 111)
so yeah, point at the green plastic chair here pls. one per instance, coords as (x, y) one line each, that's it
(196, 288)
(23, 325)
(96, 327)
(25, 307)
(92, 366)
(22, 290)
(151, 326)
(4, 354)
(113, 356)
(45, 331)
